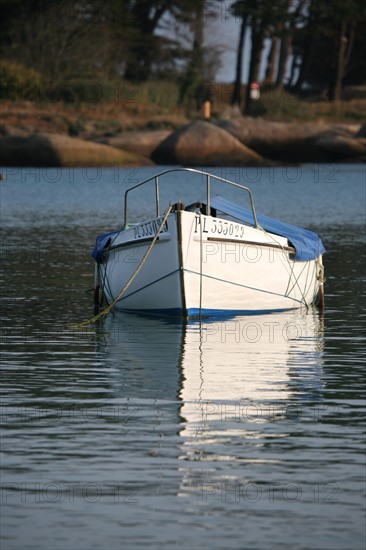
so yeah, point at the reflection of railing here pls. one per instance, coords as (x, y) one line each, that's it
(208, 191)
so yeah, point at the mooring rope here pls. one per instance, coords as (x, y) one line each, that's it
(110, 306)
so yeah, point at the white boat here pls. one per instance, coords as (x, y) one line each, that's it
(210, 258)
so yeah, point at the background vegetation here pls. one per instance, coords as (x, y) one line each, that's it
(153, 52)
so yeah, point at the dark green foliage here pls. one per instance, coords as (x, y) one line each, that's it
(85, 50)
(17, 81)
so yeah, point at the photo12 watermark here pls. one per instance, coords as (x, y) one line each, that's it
(91, 172)
(250, 411)
(57, 492)
(254, 492)
(122, 414)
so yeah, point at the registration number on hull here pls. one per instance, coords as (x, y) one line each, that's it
(149, 229)
(216, 226)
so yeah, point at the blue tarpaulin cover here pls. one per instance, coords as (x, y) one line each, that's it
(101, 242)
(307, 244)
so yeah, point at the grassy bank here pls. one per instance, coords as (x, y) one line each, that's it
(85, 119)
(149, 109)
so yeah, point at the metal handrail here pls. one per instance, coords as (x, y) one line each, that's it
(208, 190)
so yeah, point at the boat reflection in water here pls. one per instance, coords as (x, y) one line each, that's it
(241, 366)
(248, 384)
(230, 369)
(229, 393)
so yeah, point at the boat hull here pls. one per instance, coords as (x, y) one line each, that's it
(206, 266)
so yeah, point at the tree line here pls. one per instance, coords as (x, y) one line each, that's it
(311, 45)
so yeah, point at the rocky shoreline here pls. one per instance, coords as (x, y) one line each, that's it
(239, 141)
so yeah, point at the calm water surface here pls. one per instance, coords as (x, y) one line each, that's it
(150, 433)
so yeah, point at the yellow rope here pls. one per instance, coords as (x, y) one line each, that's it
(109, 307)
